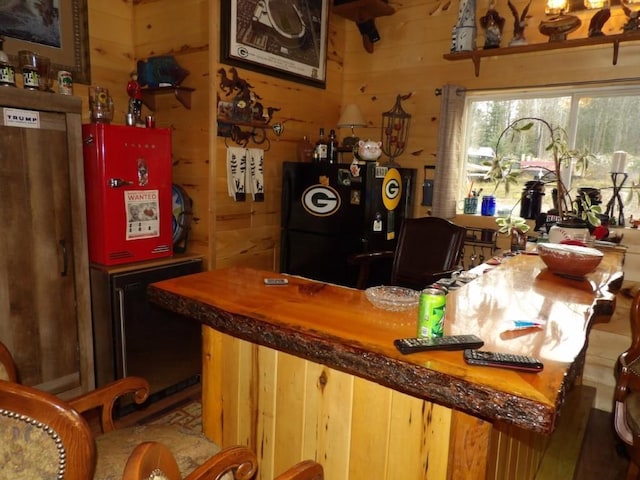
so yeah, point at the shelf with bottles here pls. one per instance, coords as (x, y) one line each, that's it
(477, 55)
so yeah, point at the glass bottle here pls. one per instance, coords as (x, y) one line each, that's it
(332, 147)
(321, 150)
(305, 150)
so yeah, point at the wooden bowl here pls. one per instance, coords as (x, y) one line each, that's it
(570, 260)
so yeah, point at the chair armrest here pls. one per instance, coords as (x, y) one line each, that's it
(364, 261)
(305, 470)
(105, 398)
(368, 257)
(240, 459)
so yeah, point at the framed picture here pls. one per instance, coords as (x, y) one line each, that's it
(282, 38)
(56, 29)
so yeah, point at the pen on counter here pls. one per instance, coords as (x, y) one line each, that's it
(527, 324)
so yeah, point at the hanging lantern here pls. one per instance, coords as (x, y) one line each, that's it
(395, 128)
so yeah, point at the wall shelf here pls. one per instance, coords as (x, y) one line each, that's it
(182, 94)
(477, 55)
(361, 10)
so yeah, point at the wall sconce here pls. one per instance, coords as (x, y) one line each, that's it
(395, 128)
(351, 117)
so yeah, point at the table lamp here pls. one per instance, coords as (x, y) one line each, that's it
(351, 117)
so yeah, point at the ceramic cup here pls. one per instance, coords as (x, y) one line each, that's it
(470, 205)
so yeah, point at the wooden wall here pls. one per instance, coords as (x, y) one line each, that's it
(407, 60)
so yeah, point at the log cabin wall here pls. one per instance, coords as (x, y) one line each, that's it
(408, 60)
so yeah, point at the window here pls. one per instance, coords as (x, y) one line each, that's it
(602, 121)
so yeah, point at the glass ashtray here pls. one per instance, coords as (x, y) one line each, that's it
(396, 299)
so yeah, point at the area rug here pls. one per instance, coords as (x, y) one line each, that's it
(187, 415)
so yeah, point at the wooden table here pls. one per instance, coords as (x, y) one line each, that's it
(309, 370)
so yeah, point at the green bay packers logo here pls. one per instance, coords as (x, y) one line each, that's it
(320, 200)
(391, 189)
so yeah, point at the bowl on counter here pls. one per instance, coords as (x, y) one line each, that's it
(392, 298)
(570, 260)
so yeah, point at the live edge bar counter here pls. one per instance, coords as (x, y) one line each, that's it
(309, 370)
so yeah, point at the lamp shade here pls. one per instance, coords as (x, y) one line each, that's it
(351, 117)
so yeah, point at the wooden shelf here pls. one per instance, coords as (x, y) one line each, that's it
(362, 10)
(477, 55)
(182, 94)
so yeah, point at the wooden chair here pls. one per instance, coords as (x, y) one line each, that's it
(627, 394)
(428, 249)
(153, 461)
(7, 365)
(110, 447)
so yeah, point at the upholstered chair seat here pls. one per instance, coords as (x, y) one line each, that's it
(189, 449)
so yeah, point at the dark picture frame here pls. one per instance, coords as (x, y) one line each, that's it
(68, 51)
(290, 43)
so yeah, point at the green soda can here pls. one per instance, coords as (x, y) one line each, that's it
(431, 313)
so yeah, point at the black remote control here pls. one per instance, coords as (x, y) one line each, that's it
(504, 360)
(451, 342)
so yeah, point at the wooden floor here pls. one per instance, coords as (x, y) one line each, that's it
(601, 457)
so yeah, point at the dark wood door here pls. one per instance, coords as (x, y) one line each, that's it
(37, 299)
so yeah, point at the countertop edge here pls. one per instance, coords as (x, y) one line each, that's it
(453, 392)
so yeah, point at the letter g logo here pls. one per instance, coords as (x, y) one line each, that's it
(320, 200)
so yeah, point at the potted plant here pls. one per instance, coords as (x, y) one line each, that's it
(580, 213)
(516, 227)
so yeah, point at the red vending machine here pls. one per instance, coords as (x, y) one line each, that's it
(128, 185)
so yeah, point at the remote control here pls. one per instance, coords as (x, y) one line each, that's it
(276, 281)
(504, 360)
(451, 342)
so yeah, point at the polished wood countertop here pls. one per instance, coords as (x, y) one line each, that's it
(338, 327)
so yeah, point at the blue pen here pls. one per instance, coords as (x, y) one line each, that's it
(526, 324)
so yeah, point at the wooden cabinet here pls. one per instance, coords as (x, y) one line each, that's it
(45, 313)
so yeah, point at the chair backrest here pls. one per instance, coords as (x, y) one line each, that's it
(8, 369)
(426, 245)
(42, 437)
(154, 461)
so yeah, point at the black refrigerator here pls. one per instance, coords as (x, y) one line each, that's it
(332, 211)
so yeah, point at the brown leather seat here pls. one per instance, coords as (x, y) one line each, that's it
(153, 460)
(428, 248)
(99, 457)
(627, 394)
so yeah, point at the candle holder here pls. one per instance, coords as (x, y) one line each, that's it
(618, 179)
(395, 129)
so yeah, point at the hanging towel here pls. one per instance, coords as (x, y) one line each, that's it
(236, 172)
(255, 180)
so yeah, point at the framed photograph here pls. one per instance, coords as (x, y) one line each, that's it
(56, 29)
(282, 38)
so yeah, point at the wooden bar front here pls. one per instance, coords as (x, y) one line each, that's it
(309, 370)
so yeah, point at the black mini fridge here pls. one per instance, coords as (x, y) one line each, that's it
(332, 211)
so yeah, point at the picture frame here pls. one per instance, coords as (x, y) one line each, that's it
(57, 29)
(294, 49)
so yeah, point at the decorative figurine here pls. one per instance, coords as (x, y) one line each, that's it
(492, 23)
(633, 18)
(465, 29)
(519, 24)
(597, 22)
(135, 97)
(368, 150)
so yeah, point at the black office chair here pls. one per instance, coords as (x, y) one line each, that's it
(428, 249)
